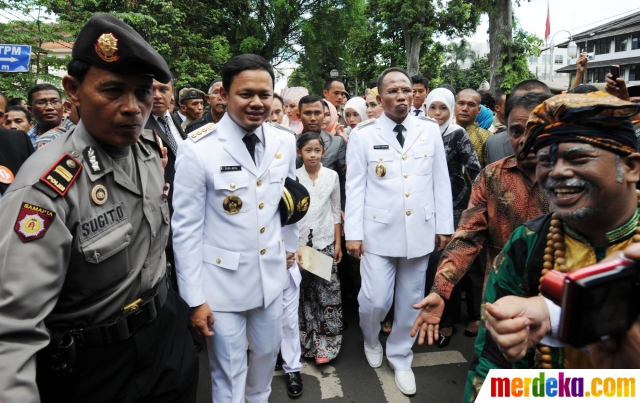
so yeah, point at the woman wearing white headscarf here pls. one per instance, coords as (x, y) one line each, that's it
(355, 111)
(461, 156)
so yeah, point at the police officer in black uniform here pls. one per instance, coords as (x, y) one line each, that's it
(83, 228)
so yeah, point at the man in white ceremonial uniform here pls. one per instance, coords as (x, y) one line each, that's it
(231, 251)
(398, 208)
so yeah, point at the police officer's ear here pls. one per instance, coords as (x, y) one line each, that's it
(71, 88)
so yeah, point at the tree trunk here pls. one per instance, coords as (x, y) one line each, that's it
(412, 44)
(500, 28)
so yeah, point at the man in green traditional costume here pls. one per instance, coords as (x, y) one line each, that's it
(588, 166)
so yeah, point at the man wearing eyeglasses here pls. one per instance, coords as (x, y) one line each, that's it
(217, 107)
(45, 104)
(398, 210)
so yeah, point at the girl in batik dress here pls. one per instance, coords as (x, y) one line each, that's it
(320, 309)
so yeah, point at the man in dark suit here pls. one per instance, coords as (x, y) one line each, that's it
(311, 112)
(15, 148)
(167, 127)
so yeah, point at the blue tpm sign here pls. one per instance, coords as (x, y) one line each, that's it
(14, 58)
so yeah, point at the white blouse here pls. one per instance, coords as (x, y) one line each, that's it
(324, 207)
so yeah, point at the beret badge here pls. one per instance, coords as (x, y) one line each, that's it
(107, 47)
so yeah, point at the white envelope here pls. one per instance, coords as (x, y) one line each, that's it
(316, 262)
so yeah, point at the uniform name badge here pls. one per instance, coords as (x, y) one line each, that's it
(232, 204)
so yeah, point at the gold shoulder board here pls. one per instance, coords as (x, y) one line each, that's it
(281, 127)
(427, 118)
(202, 132)
(366, 122)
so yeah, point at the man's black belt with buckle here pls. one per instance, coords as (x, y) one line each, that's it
(133, 317)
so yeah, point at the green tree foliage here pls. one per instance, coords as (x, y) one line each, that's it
(420, 20)
(523, 45)
(179, 30)
(24, 25)
(323, 43)
(460, 78)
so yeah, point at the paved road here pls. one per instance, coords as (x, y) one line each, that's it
(440, 373)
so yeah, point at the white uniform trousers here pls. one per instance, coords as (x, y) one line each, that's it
(380, 275)
(290, 346)
(227, 348)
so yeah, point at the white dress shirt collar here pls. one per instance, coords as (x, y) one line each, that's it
(390, 124)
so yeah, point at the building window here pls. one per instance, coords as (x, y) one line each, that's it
(597, 75)
(634, 73)
(602, 46)
(558, 59)
(533, 59)
(635, 41)
(582, 47)
(545, 59)
(621, 43)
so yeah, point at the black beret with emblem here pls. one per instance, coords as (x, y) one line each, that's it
(108, 43)
(294, 202)
(190, 93)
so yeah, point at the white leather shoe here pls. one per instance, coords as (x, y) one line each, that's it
(406, 382)
(374, 355)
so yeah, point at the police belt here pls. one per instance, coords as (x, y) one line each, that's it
(133, 317)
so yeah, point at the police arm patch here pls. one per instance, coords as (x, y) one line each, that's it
(33, 222)
(62, 174)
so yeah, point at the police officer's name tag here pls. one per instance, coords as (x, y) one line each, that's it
(381, 147)
(231, 168)
(106, 219)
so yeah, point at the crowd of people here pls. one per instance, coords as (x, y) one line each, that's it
(141, 232)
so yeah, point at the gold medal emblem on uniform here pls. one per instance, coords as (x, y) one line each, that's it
(381, 169)
(303, 205)
(232, 204)
(107, 47)
(99, 195)
(278, 156)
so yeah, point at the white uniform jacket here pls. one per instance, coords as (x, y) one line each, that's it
(397, 214)
(235, 262)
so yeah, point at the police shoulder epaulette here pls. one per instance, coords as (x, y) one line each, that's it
(366, 122)
(202, 132)
(62, 174)
(281, 127)
(427, 118)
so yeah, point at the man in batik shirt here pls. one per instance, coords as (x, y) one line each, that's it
(505, 194)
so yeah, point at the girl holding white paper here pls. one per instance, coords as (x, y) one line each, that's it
(320, 309)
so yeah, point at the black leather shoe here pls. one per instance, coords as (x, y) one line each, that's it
(443, 341)
(294, 384)
(279, 362)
